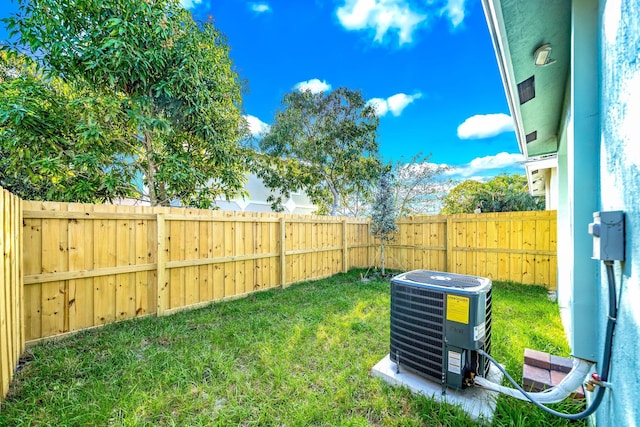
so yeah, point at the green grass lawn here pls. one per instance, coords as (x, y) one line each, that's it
(295, 357)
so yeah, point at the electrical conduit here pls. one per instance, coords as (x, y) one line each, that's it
(581, 366)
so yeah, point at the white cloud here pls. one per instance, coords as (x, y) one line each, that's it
(454, 10)
(260, 7)
(313, 85)
(256, 126)
(380, 105)
(485, 126)
(403, 17)
(394, 104)
(189, 4)
(500, 160)
(382, 16)
(399, 101)
(481, 164)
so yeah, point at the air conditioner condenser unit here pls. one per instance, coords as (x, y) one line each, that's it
(438, 323)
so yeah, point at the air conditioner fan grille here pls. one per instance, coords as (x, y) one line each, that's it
(417, 329)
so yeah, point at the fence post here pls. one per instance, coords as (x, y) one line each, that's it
(345, 248)
(448, 231)
(161, 276)
(283, 253)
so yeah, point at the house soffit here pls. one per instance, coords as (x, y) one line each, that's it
(522, 27)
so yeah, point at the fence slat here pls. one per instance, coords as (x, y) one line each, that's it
(228, 243)
(161, 254)
(54, 294)
(283, 253)
(12, 316)
(6, 352)
(216, 238)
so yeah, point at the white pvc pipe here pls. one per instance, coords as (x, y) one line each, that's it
(567, 386)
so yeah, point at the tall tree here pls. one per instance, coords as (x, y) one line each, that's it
(59, 141)
(418, 185)
(175, 77)
(504, 193)
(384, 214)
(324, 144)
(463, 198)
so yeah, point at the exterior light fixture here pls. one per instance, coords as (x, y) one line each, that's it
(542, 56)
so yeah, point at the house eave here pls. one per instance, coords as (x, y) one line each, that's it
(518, 29)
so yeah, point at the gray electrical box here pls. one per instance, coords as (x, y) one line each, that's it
(607, 230)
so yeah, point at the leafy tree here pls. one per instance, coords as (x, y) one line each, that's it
(53, 138)
(504, 193)
(463, 198)
(324, 144)
(418, 185)
(384, 213)
(172, 77)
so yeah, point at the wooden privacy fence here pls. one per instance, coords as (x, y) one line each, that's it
(510, 246)
(11, 298)
(87, 265)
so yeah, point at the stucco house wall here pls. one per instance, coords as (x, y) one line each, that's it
(619, 175)
(256, 201)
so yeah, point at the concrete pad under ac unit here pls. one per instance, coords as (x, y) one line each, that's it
(479, 403)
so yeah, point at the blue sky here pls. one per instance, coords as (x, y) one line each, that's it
(428, 66)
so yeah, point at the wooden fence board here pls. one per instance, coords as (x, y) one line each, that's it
(162, 254)
(6, 353)
(32, 264)
(239, 267)
(217, 250)
(103, 286)
(12, 315)
(515, 240)
(503, 255)
(272, 266)
(205, 272)
(124, 288)
(248, 237)
(229, 267)
(191, 274)
(54, 294)
(146, 245)
(80, 290)
(176, 245)
(262, 247)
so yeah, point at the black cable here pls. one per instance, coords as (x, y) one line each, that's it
(606, 359)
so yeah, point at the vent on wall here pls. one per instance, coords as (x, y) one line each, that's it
(530, 137)
(527, 90)
(438, 322)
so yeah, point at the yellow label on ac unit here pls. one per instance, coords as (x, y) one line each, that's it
(458, 309)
